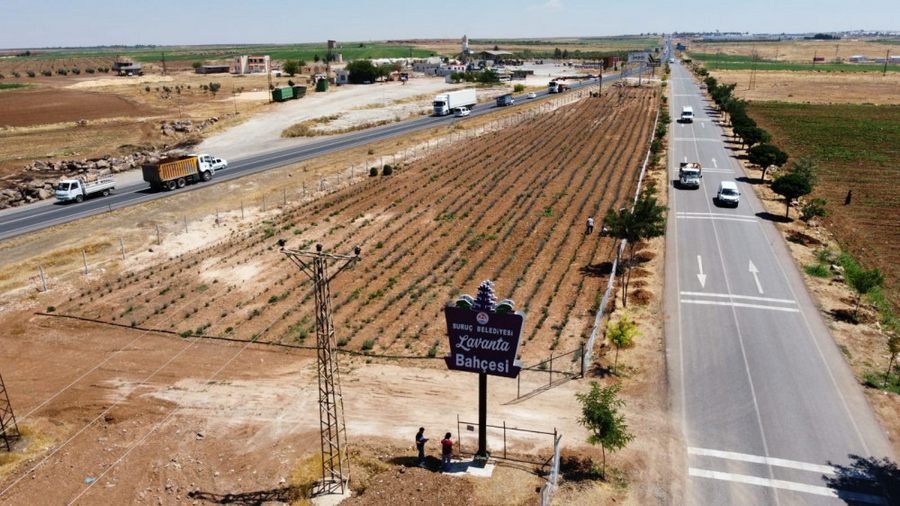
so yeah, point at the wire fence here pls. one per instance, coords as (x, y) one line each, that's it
(553, 478)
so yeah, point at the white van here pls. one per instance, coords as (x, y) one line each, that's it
(687, 114)
(728, 194)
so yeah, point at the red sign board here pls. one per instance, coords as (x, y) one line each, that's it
(483, 341)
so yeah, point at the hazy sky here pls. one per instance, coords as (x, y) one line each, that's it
(48, 23)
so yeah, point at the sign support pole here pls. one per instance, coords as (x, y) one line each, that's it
(481, 457)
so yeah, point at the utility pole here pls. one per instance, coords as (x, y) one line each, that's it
(9, 429)
(164, 62)
(887, 56)
(333, 430)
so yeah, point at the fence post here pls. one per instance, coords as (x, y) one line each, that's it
(84, 260)
(504, 439)
(242, 209)
(122, 246)
(158, 241)
(582, 360)
(458, 434)
(551, 368)
(185, 224)
(264, 203)
(43, 279)
(518, 385)
(284, 197)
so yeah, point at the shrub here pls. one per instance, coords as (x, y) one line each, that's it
(16, 74)
(373, 172)
(90, 70)
(817, 270)
(62, 71)
(51, 309)
(214, 87)
(387, 170)
(196, 65)
(815, 208)
(76, 71)
(187, 333)
(30, 73)
(47, 72)
(519, 88)
(368, 344)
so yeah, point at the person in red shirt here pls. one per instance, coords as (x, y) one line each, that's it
(446, 451)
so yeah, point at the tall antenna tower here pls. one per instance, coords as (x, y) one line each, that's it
(335, 457)
(9, 430)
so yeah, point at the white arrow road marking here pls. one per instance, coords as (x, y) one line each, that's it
(701, 276)
(755, 272)
(714, 163)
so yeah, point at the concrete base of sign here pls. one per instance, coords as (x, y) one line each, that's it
(460, 467)
(330, 499)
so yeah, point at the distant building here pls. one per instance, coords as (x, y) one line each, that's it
(251, 64)
(857, 58)
(213, 69)
(125, 66)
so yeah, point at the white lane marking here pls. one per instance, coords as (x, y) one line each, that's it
(759, 459)
(726, 218)
(702, 124)
(744, 297)
(716, 165)
(755, 272)
(685, 159)
(699, 213)
(701, 276)
(739, 304)
(787, 485)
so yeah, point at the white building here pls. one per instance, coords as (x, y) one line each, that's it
(251, 64)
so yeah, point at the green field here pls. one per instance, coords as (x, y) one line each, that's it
(12, 86)
(212, 53)
(858, 148)
(714, 61)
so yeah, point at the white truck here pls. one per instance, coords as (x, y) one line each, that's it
(78, 189)
(687, 114)
(689, 175)
(449, 102)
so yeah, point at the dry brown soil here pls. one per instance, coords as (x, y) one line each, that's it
(42, 106)
(797, 50)
(155, 416)
(815, 87)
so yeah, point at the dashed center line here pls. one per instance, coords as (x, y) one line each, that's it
(759, 459)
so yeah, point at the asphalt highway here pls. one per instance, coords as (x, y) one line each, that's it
(45, 214)
(768, 405)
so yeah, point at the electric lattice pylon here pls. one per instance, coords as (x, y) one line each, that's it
(9, 430)
(335, 461)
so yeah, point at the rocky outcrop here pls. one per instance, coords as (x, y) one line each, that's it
(38, 178)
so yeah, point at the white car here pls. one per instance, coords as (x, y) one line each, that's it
(219, 164)
(532, 95)
(462, 111)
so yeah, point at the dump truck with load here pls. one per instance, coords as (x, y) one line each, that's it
(505, 100)
(556, 87)
(449, 102)
(78, 189)
(171, 173)
(689, 175)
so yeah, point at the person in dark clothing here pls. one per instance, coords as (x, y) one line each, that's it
(420, 445)
(446, 451)
(848, 198)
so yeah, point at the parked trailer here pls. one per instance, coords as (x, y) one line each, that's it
(173, 173)
(282, 94)
(449, 102)
(78, 189)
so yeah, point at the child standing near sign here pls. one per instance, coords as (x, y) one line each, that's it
(446, 451)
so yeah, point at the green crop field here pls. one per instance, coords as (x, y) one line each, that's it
(858, 148)
(714, 61)
(211, 53)
(12, 86)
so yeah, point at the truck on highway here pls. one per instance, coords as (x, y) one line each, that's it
(505, 100)
(556, 87)
(689, 175)
(78, 189)
(447, 103)
(687, 114)
(171, 173)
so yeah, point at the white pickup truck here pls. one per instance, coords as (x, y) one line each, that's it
(689, 175)
(78, 189)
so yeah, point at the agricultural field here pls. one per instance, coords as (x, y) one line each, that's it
(544, 48)
(739, 55)
(510, 206)
(857, 148)
(514, 212)
(814, 87)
